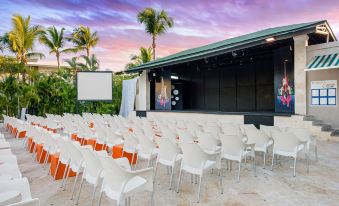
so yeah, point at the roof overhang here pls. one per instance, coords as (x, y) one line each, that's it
(242, 43)
(322, 62)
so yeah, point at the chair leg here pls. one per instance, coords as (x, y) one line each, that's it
(179, 180)
(221, 186)
(172, 171)
(255, 167)
(294, 168)
(152, 198)
(272, 162)
(265, 160)
(199, 189)
(307, 162)
(100, 197)
(93, 194)
(239, 171)
(56, 170)
(155, 171)
(64, 175)
(316, 152)
(77, 202)
(76, 178)
(46, 158)
(67, 175)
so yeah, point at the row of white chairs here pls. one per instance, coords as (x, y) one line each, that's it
(14, 188)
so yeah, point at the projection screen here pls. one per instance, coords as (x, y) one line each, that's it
(94, 86)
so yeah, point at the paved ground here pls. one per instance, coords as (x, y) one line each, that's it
(319, 187)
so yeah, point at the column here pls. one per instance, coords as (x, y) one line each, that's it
(300, 44)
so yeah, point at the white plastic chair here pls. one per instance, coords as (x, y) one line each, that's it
(184, 135)
(234, 149)
(119, 184)
(208, 142)
(168, 155)
(195, 161)
(92, 171)
(260, 139)
(147, 149)
(76, 163)
(21, 185)
(304, 135)
(130, 144)
(288, 145)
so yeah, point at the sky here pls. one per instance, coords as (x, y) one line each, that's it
(196, 22)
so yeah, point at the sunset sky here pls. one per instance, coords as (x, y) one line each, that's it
(196, 22)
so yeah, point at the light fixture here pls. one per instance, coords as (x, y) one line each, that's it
(270, 39)
(234, 54)
(174, 77)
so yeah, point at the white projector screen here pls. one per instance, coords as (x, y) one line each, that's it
(94, 86)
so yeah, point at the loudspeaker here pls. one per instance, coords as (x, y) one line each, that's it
(141, 113)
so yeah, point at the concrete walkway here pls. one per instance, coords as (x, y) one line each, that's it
(319, 187)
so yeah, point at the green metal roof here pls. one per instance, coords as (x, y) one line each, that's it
(229, 44)
(329, 61)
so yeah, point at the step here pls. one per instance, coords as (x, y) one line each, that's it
(335, 132)
(309, 118)
(326, 127)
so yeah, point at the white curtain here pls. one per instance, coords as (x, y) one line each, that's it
(128, 96)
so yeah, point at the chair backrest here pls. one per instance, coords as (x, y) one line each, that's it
(131, 141)
(269, 130)
(207, 141)
(231, 145)
(21, 185)
(114, 176)
(184, 135)
(168, 150)
(93, 166)
(64, 150)
(193, 155)
(246, 127)
(285, 141)
(303, 134)
(75, 154)
(231, 129)
(256, 136)
(147, 146)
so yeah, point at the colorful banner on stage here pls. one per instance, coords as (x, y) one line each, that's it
(163, 92)
(284, 81)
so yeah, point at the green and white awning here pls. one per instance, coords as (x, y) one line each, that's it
(320, 62)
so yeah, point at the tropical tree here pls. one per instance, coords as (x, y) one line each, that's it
(20, 40)
(156, 23)
(90, 63)
(83, 39)
(144, 57)
(54, 40)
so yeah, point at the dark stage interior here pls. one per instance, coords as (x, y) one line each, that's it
(239, 81)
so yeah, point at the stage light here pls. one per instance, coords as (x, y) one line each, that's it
(174, 77)
(270, 39)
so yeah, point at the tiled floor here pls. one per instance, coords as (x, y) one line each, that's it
(319, 187)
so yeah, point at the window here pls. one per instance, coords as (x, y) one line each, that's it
(324, 97)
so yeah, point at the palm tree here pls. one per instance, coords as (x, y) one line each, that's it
(156, 23)
(83, 39)
(91, 63)
(73, 64)
(144, 57)
(20, 39)
(54, 40)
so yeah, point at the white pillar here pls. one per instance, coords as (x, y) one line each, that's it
(148, 91)
(300, 44)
